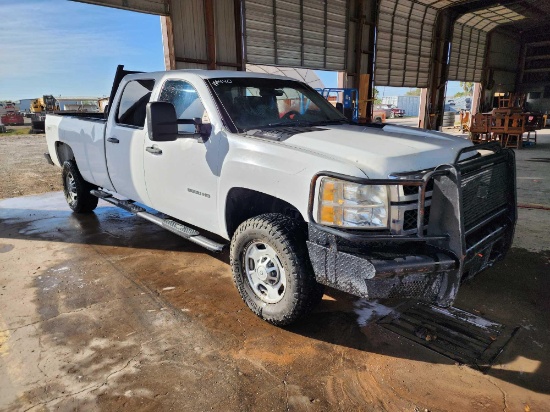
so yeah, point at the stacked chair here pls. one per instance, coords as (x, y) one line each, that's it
(479, 128)
(507, 126)
(515, 128)
(499, 126)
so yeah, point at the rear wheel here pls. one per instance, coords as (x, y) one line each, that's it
(271, 268)
(77, 190)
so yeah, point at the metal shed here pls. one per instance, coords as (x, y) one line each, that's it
(414, 43)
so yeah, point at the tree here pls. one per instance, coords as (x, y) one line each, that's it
(468, 89)
(413, 92)
(377, 100)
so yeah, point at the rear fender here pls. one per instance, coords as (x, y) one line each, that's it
(63, 152)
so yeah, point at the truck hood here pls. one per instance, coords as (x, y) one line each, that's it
(379, 152)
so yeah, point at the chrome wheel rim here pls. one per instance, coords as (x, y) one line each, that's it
(70, 183)
(264, 271)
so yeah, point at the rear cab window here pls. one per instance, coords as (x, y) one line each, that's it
(133, 103)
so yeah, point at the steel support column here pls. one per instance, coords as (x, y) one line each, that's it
(240, 34)
(361, 45)
(487, 83)
(168, 42)
(476, 100)
(371, 9)
(521, 65)
(439, 73)
(210, 34)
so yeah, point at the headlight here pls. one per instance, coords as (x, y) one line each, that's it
(352, 205)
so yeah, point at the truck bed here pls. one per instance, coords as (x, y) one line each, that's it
(82, 115)
(84, 133)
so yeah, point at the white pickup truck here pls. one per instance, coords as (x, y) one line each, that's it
(304, 198)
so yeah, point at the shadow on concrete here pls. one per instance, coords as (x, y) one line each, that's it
(48, 218)
(515, 293)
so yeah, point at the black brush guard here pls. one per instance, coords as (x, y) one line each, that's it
(471, 226)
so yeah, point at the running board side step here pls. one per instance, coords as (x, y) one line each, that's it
(168, 224)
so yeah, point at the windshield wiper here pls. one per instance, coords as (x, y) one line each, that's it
(299, 123)
(327, 122)
(304, 123)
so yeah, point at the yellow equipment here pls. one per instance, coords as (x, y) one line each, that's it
(46, 103)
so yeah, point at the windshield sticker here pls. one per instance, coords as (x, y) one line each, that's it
(218, 81)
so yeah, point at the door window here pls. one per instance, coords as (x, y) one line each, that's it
(133, 103)
(186, 101)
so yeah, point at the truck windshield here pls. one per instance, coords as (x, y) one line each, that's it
(257, 103)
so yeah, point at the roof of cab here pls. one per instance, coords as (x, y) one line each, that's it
(205, 74)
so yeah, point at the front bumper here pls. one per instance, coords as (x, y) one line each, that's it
(471, 226)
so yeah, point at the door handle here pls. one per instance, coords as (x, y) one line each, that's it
(113, 140)
(154, 149)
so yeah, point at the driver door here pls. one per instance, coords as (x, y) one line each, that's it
(180, 176)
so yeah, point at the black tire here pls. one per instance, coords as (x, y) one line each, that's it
(287, 238)
(77, 190)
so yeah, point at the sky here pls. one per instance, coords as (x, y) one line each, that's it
(67, 48)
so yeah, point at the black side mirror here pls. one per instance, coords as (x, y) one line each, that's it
(162, 122)
(202, 129)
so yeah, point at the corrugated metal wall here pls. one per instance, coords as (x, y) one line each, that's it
(190, 40)
(411, 105)
(297, 33)
(503, 61)
(404, 43)
(189, 32)
(224, 17)
(467, 54)
(470, 41)
(315, 34)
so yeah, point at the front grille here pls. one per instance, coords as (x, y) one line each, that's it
(484, 192)
(413, 190)
(410, 218)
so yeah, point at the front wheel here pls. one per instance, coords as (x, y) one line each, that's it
(77, 190)
(271, 268)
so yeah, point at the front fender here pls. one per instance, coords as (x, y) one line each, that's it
(277, 170)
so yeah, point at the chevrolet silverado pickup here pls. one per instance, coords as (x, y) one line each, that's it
(302, 197)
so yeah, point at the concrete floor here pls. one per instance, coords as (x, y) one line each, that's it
(105, 311)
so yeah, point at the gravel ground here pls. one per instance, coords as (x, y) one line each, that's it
(23, 168)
